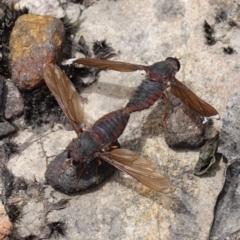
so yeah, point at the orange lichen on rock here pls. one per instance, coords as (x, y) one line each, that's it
(5, 225)
(34, 40)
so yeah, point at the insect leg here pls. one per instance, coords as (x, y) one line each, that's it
(66, 165)
(99, 163)
(166, 100)
(80, 174)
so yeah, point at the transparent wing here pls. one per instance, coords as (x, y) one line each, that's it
(65, 94)
(106, 64)
(141, 169)
(191, 99)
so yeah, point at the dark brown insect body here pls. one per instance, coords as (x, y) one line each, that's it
(104, 132)
(160, 76)
(153, 87)
(145, 95)
(96, 144)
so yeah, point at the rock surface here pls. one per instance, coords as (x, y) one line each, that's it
(229, 144)
(122, 208)
(187, 133)
(42, 7)
(2, 85)
(14, 102)
(6, 128)
(227, 215)
(41, 41)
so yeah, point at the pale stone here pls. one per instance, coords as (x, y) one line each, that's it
(148, 32)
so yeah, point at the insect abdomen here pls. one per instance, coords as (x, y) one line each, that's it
(112, 125)
(145, 96)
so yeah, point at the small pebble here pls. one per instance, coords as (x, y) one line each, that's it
(184, 128)
(34, 40)
(14, 102)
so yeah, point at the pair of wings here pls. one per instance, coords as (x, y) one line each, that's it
(177, 88)
(128, 161)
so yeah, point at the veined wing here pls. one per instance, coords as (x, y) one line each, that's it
(65, 94)
(141, 169)
(191, 99)
(107, 64)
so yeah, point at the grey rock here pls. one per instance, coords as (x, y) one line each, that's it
(226, 222)
(229, 142)
(6, 128)
(14, 102)
(184, 128)
(66, 178)
(227, 213)
(2, 85)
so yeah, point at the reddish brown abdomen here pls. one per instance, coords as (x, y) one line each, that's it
(147, 93)
(112, 125)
